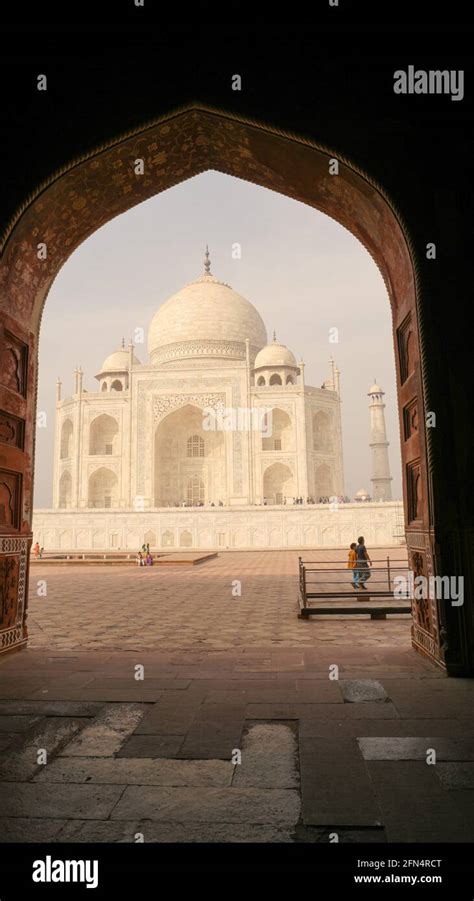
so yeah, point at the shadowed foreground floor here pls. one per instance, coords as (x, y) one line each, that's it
(239, 729)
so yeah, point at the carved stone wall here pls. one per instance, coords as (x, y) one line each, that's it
(13, 568)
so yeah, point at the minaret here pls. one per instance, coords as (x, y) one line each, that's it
(380, 478)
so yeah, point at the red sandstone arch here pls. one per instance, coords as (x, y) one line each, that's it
(93, 190)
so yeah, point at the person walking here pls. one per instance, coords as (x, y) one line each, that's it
(351, 564)
(36, 550)
(363, 562)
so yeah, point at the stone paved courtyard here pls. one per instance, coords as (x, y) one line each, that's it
(126, 606)
(236, 732)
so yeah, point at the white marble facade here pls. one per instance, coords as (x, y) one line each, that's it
(219, 528)
(216, 416)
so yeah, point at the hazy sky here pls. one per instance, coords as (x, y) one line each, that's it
(304, 273)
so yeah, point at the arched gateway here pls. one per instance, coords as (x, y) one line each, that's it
(88, 194)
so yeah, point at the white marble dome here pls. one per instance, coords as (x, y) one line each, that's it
(206, 318)
(274, 354)
(118, 361)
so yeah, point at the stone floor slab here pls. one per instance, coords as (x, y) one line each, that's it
(215, 732)
(336, 788)
(415, 806)
(152, 831)
(108, 731)
(17, 723)
(410, 748)
(212, 805)
(356, 691)
(143, 771)
(456, 776)
(19, 761)
(151, 746)
(7, 739)
(319, 712)
(174, 714)
(83, 802)
(269, 758)
(383, 728)
(49, 708)
(31, 829)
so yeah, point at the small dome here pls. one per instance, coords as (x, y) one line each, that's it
(375, 389)
(362, 493)
(275, 354)
(118, 362)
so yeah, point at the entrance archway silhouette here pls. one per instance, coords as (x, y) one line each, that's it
(94, 189)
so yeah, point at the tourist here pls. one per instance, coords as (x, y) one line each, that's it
(36, 550)
(149, 559)
(148, 548)
(363, 562)
(139, 559)
(351, 564)
(41, 552)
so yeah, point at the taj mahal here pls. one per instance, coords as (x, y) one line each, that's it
(214, 441)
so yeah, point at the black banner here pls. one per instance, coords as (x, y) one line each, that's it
(33, 870)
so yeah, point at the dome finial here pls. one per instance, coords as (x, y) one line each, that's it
(274, 336)
(207, 262)
(123, 343)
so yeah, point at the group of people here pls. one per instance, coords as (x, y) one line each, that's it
(359, 562)
(144, 557)
(326, 499)
(37, 551)
(195, 504)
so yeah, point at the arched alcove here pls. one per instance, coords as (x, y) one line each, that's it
(278, 483)
(65, 489)
(323, 481)
(103, 435)
(103, 488)
(180, 438)
(278, 431)
(66, 439)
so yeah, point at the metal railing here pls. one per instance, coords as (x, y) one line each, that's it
(382, 574)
